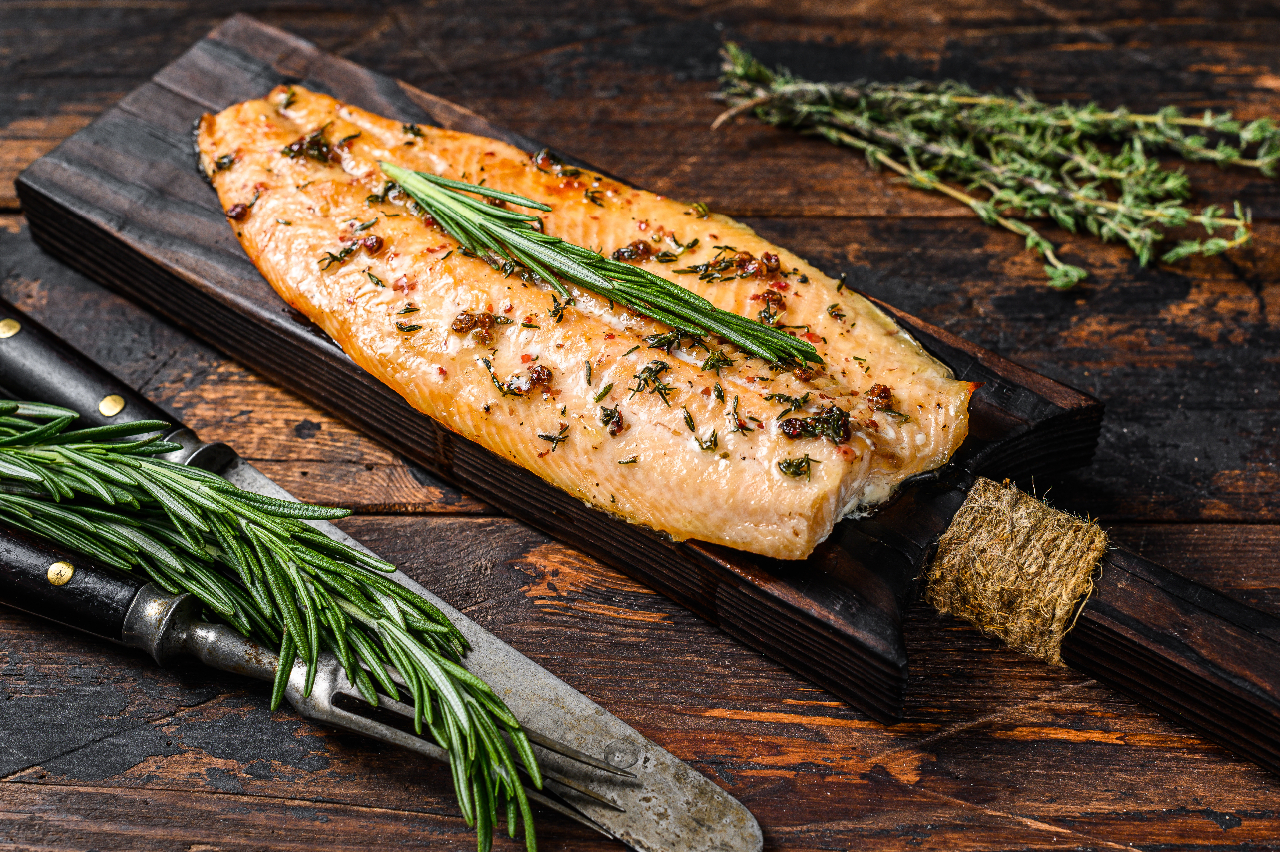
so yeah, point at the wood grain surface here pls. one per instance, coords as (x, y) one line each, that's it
(100, 749)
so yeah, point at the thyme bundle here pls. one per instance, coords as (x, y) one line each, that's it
(254, 562)
(1014, 159)
(507, 238)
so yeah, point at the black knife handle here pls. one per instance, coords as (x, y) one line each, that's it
(37, 365)
(70, 589)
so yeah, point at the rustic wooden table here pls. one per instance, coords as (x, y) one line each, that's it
(100, 749)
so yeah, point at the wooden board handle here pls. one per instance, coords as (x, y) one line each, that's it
(1189, 652)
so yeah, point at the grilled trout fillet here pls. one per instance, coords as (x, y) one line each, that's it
(695, 441)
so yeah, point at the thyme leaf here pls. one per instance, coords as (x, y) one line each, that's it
(1014, 159)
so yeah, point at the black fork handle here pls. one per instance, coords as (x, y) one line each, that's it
(72, 590)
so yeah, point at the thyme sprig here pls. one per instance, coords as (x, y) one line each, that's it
(255, 563)
(508, 237)
(1014, 159)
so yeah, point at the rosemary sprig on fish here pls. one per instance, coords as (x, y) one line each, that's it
(509, 237)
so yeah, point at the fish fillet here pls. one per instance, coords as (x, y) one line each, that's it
(580, 393)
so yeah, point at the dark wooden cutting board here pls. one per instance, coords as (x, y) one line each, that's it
(123, 202)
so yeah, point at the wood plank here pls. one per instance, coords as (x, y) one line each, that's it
(997, 752)
(173, 253)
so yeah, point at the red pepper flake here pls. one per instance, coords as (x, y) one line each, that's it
(780, 285)
(508, 309)
(372, 243)
(608, 337)
(879, 397)
(813, 338)
(526, 358)
(442, 371)
(403, 284)
(642, 225)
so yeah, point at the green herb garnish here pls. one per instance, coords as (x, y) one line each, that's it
(1086, 168)
(255, 563)
(505, 235)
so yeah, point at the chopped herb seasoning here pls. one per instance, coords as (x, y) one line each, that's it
(557, 307)
(631, 460)
(407, 327)
(833, 311)
(792, 403)
(364, 226)
(289, 97)
(375, 279)
(774, 305)
(313, 145)
(722, 267)
(629, 351)
(799, 467)
(840, 284)
(831, 423)
(412, 130)
(588, 363)
(407, 309)
(700, 210)
(650, 379)
(381, 195)
(719, 392)
(284, 222)
(224, 162)
(739, 425)
(715, 361)
(669, 340)
(330, 258)
(604, 391)
(529, 325)
(558, 438)
(711, 444)
(688, 420)
(593, 195)
(612, 419)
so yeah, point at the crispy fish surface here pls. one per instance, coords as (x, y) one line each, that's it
(695, 439)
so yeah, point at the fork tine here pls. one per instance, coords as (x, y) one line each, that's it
(573, 754)
(320, 706)
(550, 774)
(582, 790)
(570, 811)
(534, 737)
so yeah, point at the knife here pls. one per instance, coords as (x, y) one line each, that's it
(668, 806)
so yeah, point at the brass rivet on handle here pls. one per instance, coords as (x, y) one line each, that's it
(9, 327)
(60, 573)
(111, 405)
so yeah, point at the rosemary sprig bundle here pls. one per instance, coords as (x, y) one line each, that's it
(253, 561)
(507, 238)
(1014, 159)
